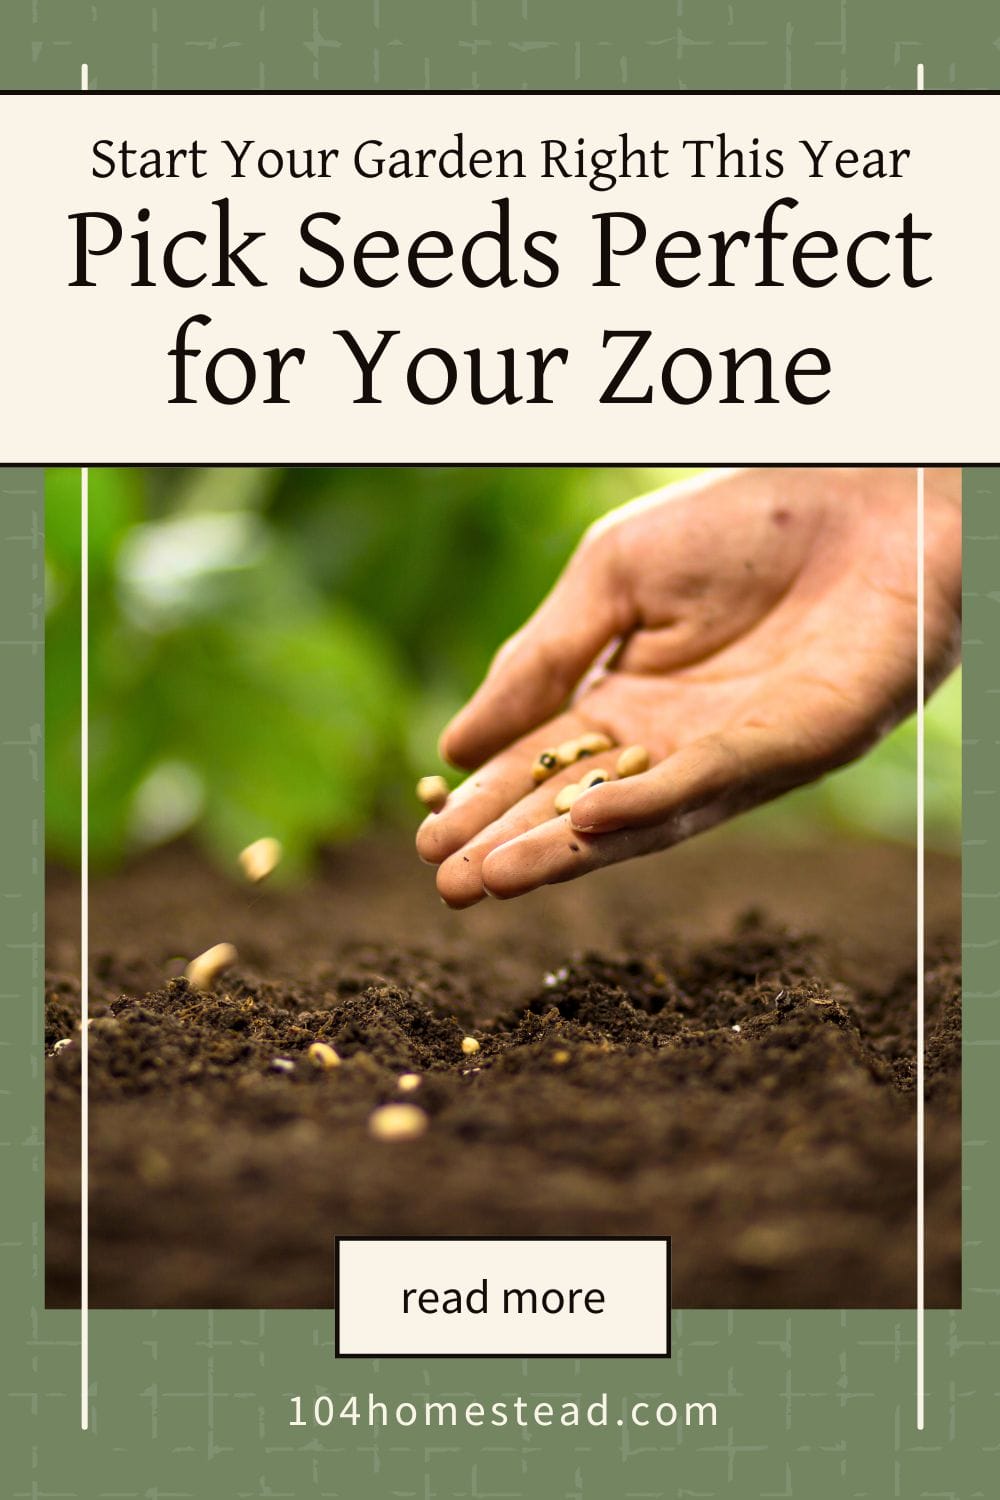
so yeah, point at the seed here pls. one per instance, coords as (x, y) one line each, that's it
(568, 752)
(202, 972)
(433, 792)
(260, 858)
(469, 1045)
(323, 1055)
(65, 1041)
(633, 761)
(546, 762)
(407, 1082)
(282, 1065)
(594, 778)
(566, 796)
(397, 1122)
(594, 743)
(560, 1057)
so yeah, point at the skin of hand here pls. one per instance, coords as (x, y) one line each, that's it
(752, 628)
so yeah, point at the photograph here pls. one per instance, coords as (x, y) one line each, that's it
(509, 851)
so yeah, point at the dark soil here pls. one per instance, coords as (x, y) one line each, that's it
(655, 1059)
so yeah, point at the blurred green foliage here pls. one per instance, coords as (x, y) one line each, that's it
(275, 651)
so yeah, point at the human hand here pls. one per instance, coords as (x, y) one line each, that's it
(755, 629)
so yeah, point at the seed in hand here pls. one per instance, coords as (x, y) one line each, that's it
(545, 763)
(202, 972)
(566, 796)
(433, 792)
(594, 743)
(568, 752)
(594, 778)
(633, 761)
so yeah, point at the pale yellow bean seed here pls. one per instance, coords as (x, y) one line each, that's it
(260, 858)
(202, 972)
(566, 796)
(568, 752)
(594, 778)
(323, 1055)
(593, 743)
(544, 764)
(408, 1082)
(397, 1122)
(633, 761)
(470, 1046)
(433, 792)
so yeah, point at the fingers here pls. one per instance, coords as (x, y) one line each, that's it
(489, 792)
(733, 766)
(688, 792)
(460, 877)
(535, 672)
(554, 852)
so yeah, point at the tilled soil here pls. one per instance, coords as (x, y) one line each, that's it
(654, 1058)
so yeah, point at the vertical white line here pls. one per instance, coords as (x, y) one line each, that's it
(84, 77)
(84, 947)
(920, 949)
(921, 539)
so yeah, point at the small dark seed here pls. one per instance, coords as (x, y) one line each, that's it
(575, 848)
(548, 761)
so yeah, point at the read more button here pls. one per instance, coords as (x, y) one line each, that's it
(489, 1298)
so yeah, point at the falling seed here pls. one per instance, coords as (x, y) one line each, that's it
(545, 763)
(593, 744)
(397, 1122)
(560, 1057)
(323, 1055)
(202, 972)
(633, 761)
(736, 1027)
(433, 792)
(65, 1041)
(594, 778)
(260, 858)
(566, 796)
(282, 1065)
(469, 1045)
(407, 1082)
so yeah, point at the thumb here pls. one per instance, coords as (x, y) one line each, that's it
(534, 672)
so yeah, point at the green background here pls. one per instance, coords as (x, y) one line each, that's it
(195, 1405)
